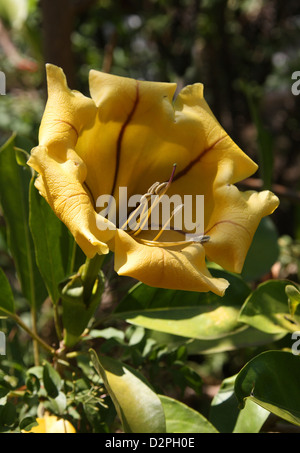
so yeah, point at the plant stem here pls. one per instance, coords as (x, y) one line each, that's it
(36, 353)
(89, 274)
(56, 321)
(33, 334)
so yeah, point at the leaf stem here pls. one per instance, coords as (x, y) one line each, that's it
(32, 333)
(56, 320)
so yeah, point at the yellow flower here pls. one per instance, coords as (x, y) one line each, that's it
(130, 134)
(50, 424)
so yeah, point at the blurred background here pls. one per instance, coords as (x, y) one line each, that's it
(244, 52)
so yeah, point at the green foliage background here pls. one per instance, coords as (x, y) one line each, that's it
(152, 360)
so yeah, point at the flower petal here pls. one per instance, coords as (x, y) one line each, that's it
(132, 122)
(61, 183)
(50, 424)
(165, 268)
(62, 173)
(140, 133)
(66, 113)
(233, 223)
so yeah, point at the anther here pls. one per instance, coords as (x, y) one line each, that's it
(160, 190)
(151, 189)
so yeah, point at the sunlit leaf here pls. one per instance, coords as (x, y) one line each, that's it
(184, 313)
(267, 309)
(138, 407)
(182, 419)
(294, 298)
(228, 417)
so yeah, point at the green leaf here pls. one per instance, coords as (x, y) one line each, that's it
(224, 407)
(186, 313)
(263, 252)
(228, 418)
(52, 380)
(182, 419)
(8, 415)
(264, 137)
(184, 376)
(267, 309)
(27, 423)
(50, 237)
(251, 418)
(7, 304)
(294, 298)
(14, 198)
(271, 380)
(138, 407)
(58, 404)
(76, 313)
(246, 338)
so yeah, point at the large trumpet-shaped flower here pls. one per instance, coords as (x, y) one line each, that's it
(130, 134)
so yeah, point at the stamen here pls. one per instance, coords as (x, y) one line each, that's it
(141, 206)
(160, 190)
(176, 210)
(151, 189)
(160, 187)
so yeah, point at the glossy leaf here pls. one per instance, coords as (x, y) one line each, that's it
(267, 309)
(248, 337)
(7, 304)
(224, 407)
(271, 380)
(182, 419)
(251, 418)
(227, 416)
(138, 407)
(185, 313)
(14, 198)
(294, 298)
